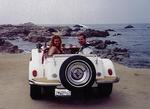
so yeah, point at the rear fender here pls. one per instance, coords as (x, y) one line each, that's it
(36, 64)
(107, 64)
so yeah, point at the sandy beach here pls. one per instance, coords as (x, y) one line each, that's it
(132, 92)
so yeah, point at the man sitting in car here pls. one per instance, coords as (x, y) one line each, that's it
(85, 47)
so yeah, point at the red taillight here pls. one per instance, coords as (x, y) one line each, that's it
(34, 73)
(110, 71)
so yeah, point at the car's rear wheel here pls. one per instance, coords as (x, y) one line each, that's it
(35, 92)
(105, 89)
(77, 73)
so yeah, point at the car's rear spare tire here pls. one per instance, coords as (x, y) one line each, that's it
(77, 73)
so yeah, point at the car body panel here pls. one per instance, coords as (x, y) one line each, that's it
(48, 68)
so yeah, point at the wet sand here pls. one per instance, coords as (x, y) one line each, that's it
(132, 92)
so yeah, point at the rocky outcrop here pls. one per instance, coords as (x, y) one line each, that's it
(110, 30)
(78, 26)
(2, 42)
(96, 33)
(64, 30)
(34, 33)
(129, 26)
(102, 50)
(7, 47)
(51, 30)
(38, 36)
(108, 42)
(100, 44)
(28, 24)
(117, 34)
(113, 54)
(14, 49)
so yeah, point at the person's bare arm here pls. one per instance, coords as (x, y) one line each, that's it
(52, 51)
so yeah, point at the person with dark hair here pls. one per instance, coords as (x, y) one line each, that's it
(55, 46)
(85, 47)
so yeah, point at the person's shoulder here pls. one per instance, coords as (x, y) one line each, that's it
(52, 50)
(87, 49)
(53, 47)
(86, 45)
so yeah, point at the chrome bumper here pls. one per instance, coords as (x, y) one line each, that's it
(107, 79)
(44, 82)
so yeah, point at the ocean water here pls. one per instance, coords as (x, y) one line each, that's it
(136, 40)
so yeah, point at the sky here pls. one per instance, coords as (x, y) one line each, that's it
(74, 11)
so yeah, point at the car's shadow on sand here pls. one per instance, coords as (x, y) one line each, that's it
(75, 101)
(93, 99)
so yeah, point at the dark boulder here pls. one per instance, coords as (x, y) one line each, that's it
(120, 49)
(28, 24)
(109, 30)
(101, 46)
(14, 49)
(12, 38)
(95, 42)
(96, 33)
(7, 44)
(108, 42)
(117, 58)
(98, 44)
(63, 30)
(2, 41)
(13, 32)
(25, 38)
(78, 26)
(35, 39)
(117, 34)
(76, 29)
(129, 26)
(51, 30)
(26, 32)
(7, 47)
(6, 25)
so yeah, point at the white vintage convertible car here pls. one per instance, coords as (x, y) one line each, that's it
(74, 72)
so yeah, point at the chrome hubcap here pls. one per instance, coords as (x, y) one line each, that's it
(78, 73)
